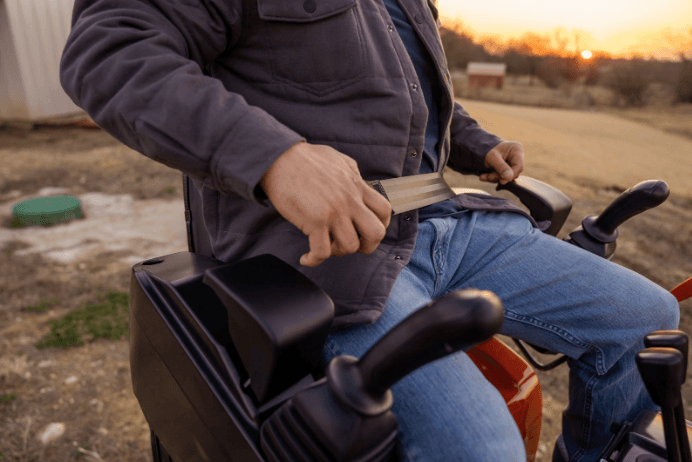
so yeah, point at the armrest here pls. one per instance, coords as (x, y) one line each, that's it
(277, 318)
(545, 203)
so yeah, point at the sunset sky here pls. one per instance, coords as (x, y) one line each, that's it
(614, 26)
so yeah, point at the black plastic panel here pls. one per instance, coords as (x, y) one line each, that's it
(314, 426)
(645, 439)
(187, 384)
(278, 320)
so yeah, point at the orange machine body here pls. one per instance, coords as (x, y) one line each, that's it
(517, 382)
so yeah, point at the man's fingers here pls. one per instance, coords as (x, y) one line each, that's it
(359, 231)
(503, 172)
(320, 191)
(377, 203)
(507, 159)
(518, 168)
(345, 239)
(495, 161)
(490, 177)
(371, 230)
(366, 227)
(320, 248)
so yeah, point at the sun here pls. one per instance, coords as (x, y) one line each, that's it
(586, 54)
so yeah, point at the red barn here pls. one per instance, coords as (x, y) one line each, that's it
(487, 75)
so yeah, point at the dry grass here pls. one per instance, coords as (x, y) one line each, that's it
(672, 119)
(659, 110)
(519, 90)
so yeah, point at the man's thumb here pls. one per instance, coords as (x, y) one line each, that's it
(498, 164)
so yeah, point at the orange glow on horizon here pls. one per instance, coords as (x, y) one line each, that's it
(637, 27)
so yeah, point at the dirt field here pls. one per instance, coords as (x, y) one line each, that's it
(133, 211)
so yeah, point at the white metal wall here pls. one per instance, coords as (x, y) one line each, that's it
(32, 36)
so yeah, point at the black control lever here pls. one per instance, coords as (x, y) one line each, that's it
(662, 371)
(678, 340)
(456, 321)
(349, 411)
(598, 233)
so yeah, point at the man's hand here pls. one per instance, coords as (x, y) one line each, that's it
(507, 159)
(320, 191)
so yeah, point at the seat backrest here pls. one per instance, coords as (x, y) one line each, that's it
(197, 236)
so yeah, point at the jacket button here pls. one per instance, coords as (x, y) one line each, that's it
(414, 153)
(309, 6)
(418, 19)
(407, 217)
(414, 86)
(390, 28)
(398, 257)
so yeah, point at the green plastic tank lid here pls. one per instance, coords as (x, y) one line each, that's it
(47, 210)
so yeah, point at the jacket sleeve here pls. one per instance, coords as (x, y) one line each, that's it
(137, 67)
(469, 143)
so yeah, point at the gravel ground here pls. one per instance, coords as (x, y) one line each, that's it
(133, 211)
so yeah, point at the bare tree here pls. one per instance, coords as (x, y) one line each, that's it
(492, 44)
(561, 40)
(683, 46)
(530, 48)
(629, 80)
(460, 47)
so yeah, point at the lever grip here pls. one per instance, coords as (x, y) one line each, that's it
(670, 339)
(456, 321)
(639, 198)
(662, 371)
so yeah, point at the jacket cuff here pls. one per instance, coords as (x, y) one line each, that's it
(474, 157)
(238, 166)
(469, 143)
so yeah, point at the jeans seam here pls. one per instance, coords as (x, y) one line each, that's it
(535, 322)
(436, 248)
(600, 368)
(586, 429)
(326, 344)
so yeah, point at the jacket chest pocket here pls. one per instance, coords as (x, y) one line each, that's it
(316, 45)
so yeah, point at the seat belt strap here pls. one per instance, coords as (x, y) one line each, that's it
(413, 192)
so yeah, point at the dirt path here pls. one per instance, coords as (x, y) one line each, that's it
(134, 211)
(584, 145)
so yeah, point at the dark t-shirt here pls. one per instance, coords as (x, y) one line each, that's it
(427, 76)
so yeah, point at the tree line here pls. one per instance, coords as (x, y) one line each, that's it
(555, 59)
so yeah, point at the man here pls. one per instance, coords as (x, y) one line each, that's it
(280, 109)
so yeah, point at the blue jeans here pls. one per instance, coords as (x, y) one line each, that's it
(556, 296)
